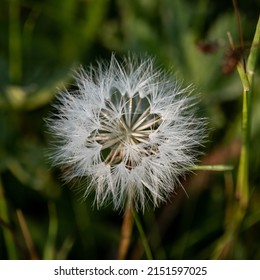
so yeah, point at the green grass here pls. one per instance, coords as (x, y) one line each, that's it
(42, 42)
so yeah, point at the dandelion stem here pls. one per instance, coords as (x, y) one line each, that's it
(142, 236)
(126, 234)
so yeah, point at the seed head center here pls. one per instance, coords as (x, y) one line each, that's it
(131, 127)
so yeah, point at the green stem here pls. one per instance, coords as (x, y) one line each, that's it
(15, 58)
(254, 52)
(211, 167)
(8, 237)
(242, 179)
(239, 206)
(246, 76)
(49, 250)
(142, 236)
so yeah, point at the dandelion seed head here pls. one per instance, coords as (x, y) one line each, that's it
(130, 128)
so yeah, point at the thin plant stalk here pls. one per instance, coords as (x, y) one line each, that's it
(126, 234)
(131, 216)
(26, 235)
(246, 76)
(49, 249)
(15, 45)
(142, 236)
(5, 224)
(240, 203)
(217, 168)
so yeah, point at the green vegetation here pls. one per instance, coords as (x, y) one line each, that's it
(41, 42)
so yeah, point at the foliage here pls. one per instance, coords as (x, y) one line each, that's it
(41, 42)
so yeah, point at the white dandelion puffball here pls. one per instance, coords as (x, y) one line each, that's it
(129, 128)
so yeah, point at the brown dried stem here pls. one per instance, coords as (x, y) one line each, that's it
(126, 234)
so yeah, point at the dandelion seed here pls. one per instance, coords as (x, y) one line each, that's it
(128, 127)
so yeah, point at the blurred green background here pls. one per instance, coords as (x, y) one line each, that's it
(41, 41)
